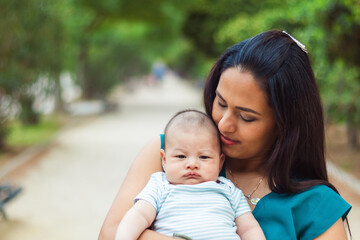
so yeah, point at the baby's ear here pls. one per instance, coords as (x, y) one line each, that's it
(222, 160)
(163, 158)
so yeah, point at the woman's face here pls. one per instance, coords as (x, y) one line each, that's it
(244, 118)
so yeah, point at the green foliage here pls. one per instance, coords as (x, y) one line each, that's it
(342, 91)
(24, 136)
(294, 17)
(105, 42)
(342, 25)
(110, 51)
(329, 28)
(31, 33)
(115, 54)
(206, 18)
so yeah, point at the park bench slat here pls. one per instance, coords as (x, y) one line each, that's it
(7, 193)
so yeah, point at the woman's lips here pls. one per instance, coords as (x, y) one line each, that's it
(226, 140)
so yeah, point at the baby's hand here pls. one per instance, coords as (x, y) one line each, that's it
(176, 235)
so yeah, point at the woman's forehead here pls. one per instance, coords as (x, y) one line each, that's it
(240, 88)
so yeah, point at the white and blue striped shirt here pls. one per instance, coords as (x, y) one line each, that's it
(201, 211)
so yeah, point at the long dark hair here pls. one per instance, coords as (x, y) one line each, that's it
(282, 69)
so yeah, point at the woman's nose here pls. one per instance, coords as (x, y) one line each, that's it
(227, 123)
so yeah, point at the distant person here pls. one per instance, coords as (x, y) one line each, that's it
(159, 70)
(173, 202)
(264, 99)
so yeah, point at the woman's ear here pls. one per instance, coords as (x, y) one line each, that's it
(163, 158)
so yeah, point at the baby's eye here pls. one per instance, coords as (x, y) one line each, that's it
(181, 156)
(204, 157)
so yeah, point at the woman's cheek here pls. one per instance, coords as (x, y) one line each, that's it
(216, 114)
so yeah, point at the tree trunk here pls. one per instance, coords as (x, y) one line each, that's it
(351, 128)
(59, 103)
(27, 114)
(3, 130)
(81, 69)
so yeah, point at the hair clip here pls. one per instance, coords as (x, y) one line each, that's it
(302, 46)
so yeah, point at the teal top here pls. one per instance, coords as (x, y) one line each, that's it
(302, 216)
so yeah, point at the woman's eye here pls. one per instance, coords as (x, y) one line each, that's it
(246, 118)
(221, 104)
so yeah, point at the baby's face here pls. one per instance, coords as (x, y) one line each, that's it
(192, 156)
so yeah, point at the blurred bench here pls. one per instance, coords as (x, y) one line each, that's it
(6, 194)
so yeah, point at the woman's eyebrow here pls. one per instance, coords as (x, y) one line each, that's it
(240, 108)
(219, 95)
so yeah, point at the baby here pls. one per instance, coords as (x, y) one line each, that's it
(190, 200)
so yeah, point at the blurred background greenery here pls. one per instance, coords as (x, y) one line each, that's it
(101, 44)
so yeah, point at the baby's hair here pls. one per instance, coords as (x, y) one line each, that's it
(192, 118)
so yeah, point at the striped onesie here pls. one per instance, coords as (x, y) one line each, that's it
(200, 211)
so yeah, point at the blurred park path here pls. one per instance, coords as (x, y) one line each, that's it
(68, 190)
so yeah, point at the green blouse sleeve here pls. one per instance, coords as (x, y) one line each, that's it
(303, 216)
(162, 139)
(322, 207)
(162, 142)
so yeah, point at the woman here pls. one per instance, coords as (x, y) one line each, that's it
(263, 97)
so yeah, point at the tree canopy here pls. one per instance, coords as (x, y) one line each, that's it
(103, 43)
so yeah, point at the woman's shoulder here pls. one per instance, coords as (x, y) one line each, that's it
(308, 213)
(146, 162)
(316, 193)
(310, 198)
(318, 189)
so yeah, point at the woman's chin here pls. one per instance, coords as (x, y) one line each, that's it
(229, 151)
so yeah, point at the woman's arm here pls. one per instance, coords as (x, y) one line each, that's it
(146, 163)
(335, 232)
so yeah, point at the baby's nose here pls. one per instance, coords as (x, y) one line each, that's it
(192, 163)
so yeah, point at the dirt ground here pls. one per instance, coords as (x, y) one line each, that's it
(339, 153)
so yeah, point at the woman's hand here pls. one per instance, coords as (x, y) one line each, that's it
(146, 163)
